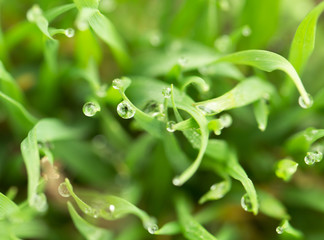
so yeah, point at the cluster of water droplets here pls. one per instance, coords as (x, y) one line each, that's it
(313, 157)
(91, 108)
(246, 203)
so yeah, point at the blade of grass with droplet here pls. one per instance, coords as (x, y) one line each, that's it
(103, 27)
(261, 112)
(121, 207)
(89, 231)
(301, 142)
(147, 90)
(191, 229)
(246, 92)
(235, 170)
(268, 61)
(217, 191)
(29, 150)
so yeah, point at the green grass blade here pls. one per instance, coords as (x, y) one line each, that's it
(261, 112)
(237, 97)
(7, 206)
(268, 61)
(111, 207)
(53, 13)
(103, 27)
(235, 170)
(304, 39)
(89, 231)
(191, 229)
(29, 150)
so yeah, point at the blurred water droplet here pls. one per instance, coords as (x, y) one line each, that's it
(111, 208)
(280, 230)
(39, 202)
(285, 169)
(125, 110)
(305, 104)
(246, 203)
(152, 229)
(155, 39)
(102, 91)
(153, 108)
(176, 181)
(69, 32)
(205, 109)
(95, 213)
(166, 92)
(246, 31)
(170, 126)
(90, 109)
(63, 190)
(226, 120)
(33, 13)
(223, 43)
(183, 61)
(108, 5)
(117, 83)
(88, 210)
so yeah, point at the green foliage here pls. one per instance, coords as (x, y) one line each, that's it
(185, 100)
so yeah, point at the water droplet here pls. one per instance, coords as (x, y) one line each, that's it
(226, 120)
(90, 109)
(155, 39)
(88, 210)
(111, 208)
(102, 91)
(246, 203)
(246, 31)
(125, 110)
(312, 157)
(152, 228)
(95, 213)
(33, 13)
(223, 43)
(108, 5)
(183, 61)
(280, 230)
(69, 32)
(63, 190)
(117, 83)
(166, 92)
(205, 110)
(176, 181)
(170, 126)
(39, 202)
(153, 108)
(306, 104)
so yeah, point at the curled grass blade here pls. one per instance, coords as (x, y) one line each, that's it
(268, 61)
(89, 231)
